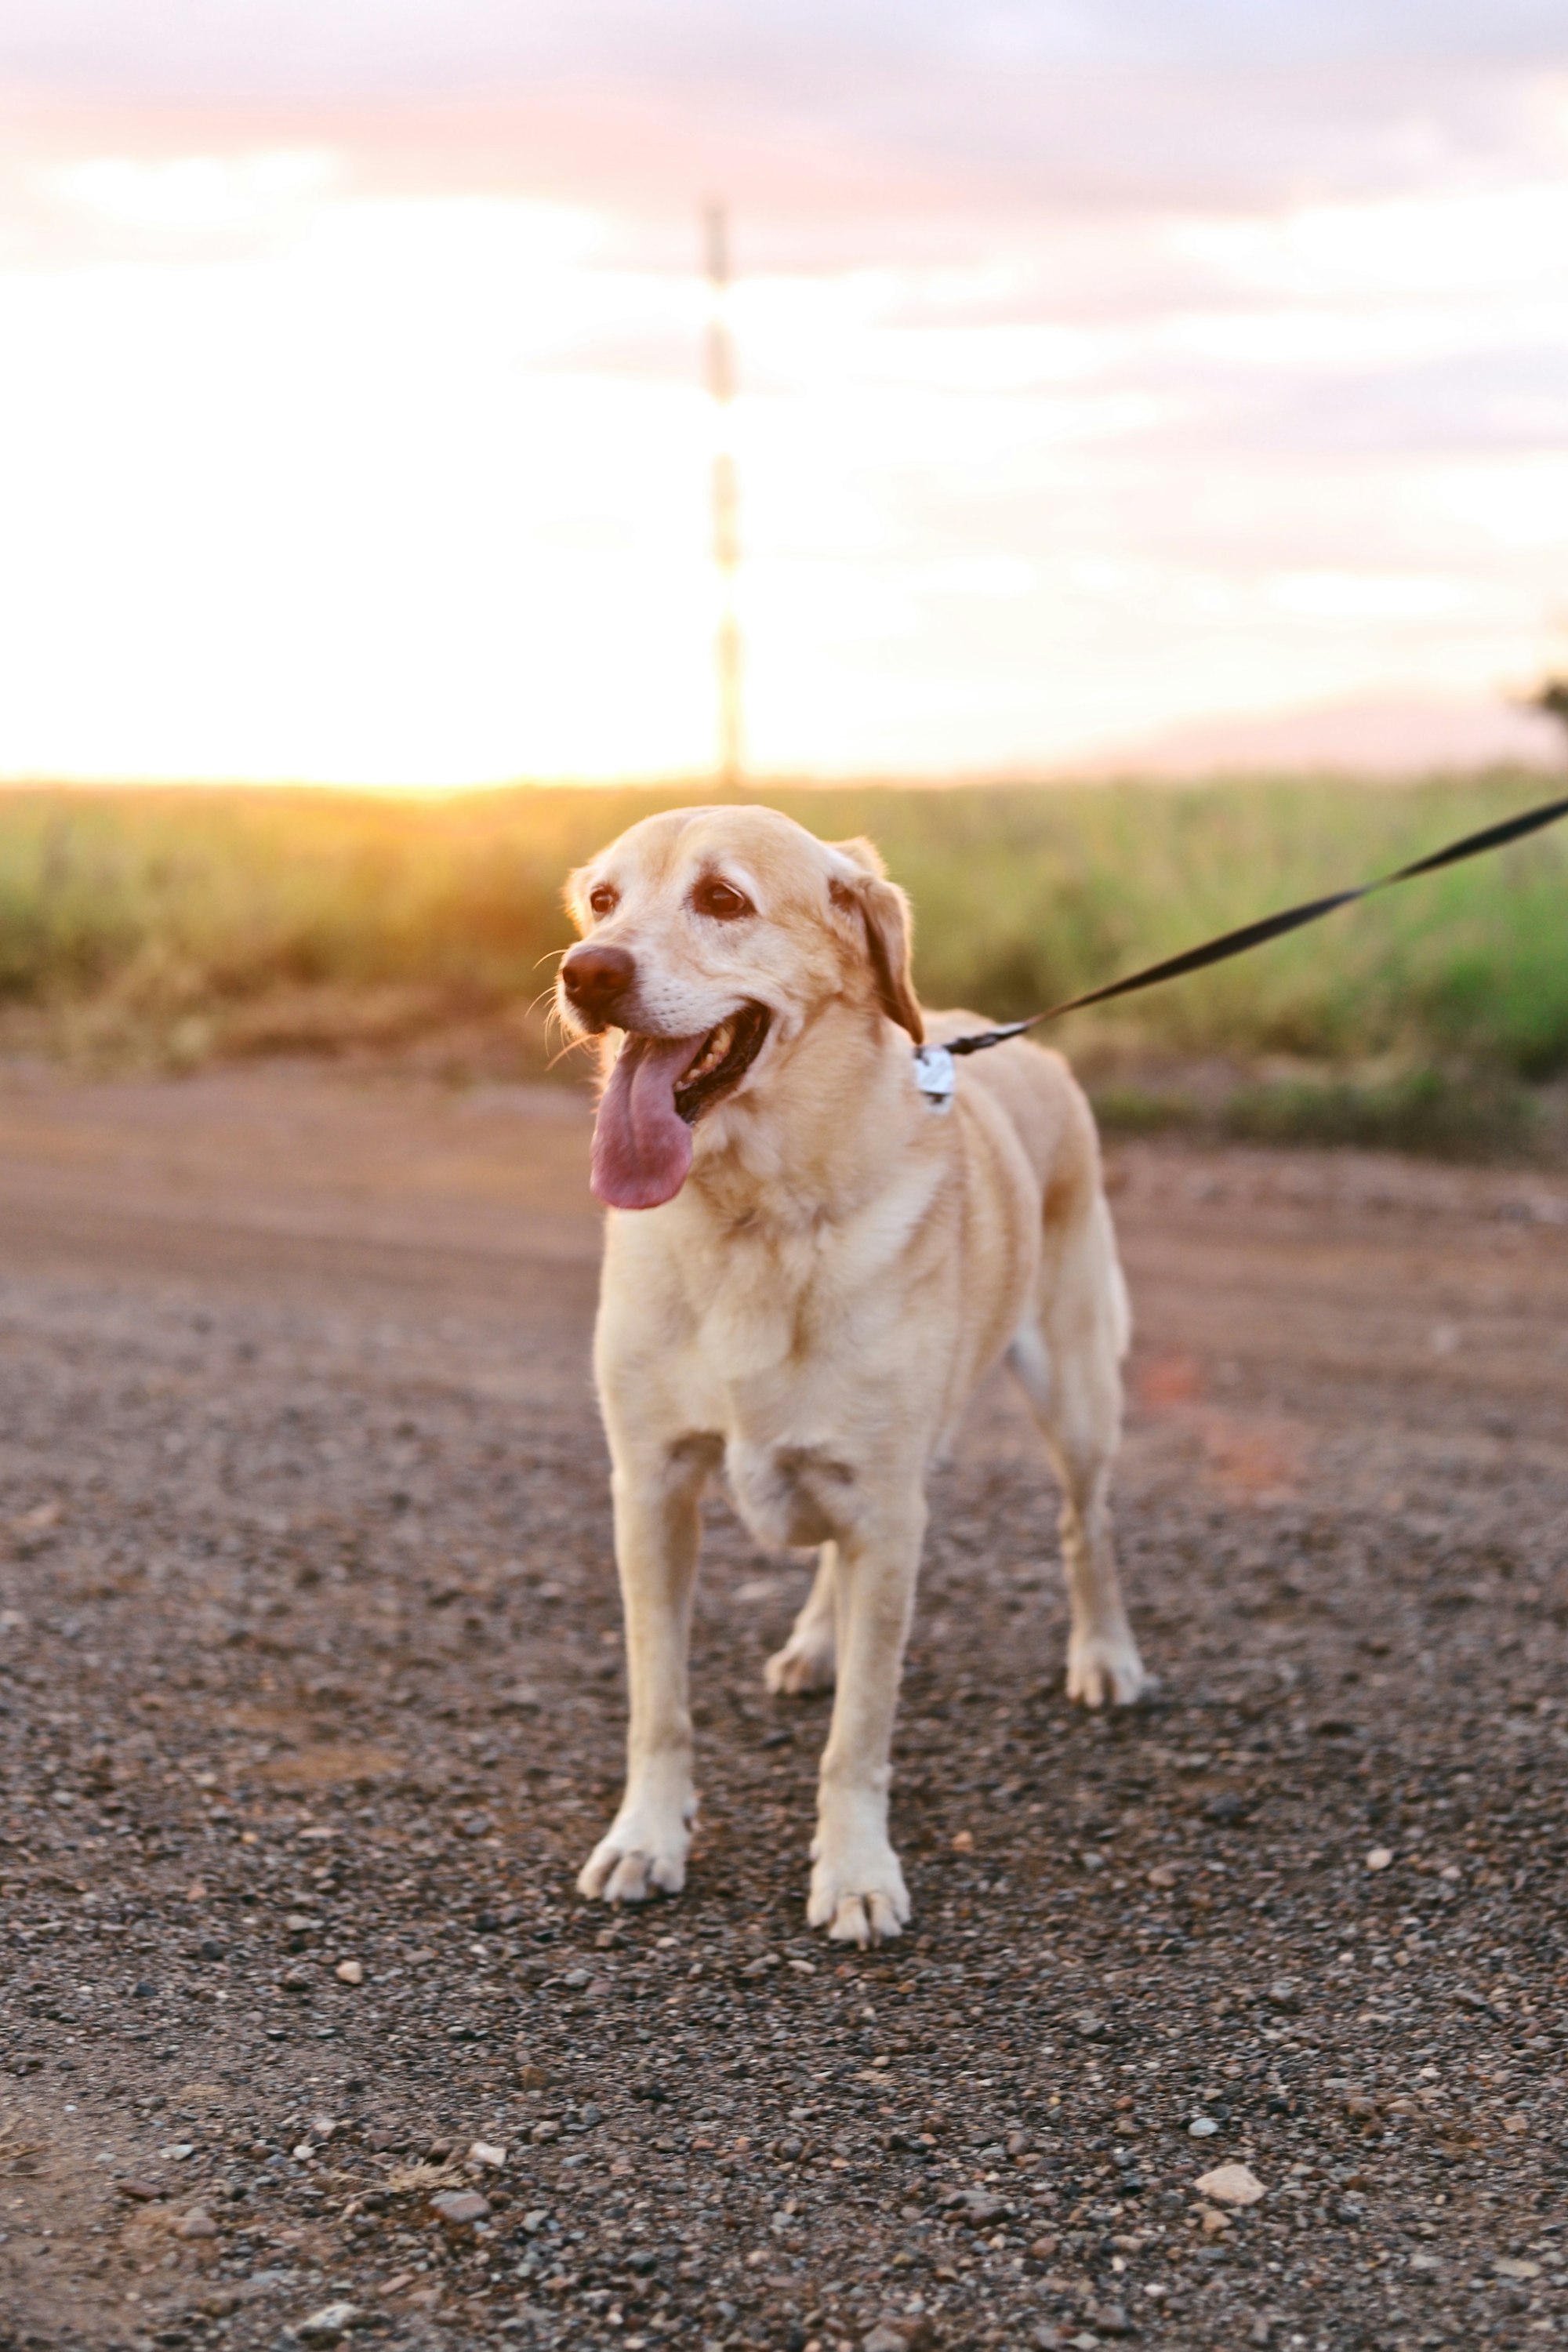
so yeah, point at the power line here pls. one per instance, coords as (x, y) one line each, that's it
(725, 495)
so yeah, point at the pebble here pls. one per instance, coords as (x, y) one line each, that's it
(325, 2327)
(484, 2152)
(460, 2209)
(349, 1972)
(141, 2192)
(979, 2207)
(895, 2332)
(1202, 2128)
(196, 2223)
(1379, 1858)
(1233, 2184)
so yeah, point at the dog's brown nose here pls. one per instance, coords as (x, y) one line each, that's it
(597, 979)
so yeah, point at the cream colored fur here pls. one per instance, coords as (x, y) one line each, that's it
(813, 1310)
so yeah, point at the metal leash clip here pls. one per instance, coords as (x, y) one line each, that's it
(935, 1075)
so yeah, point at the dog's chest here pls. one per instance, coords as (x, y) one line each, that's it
(755, 1308)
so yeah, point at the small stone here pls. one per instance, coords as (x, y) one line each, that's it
(576, 1980)
(1089, 2026)
(1162, 1874)
(899, 2332)
(141, 2192)
(1232, 2184)
(964, 1842)
(209, 1948)
(460, 2209)
(1284, 1993)
(297, 1923)
(325, 2327)
(196, 2223)
(295, 1980)
(1507, 2267)
(475, 1825)
(546, 2129)
(1110, 2320)
(1202, 2128)
(1379, 1858)
(348, 1972)
(484, 2151)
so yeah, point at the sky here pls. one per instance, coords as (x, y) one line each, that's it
(1115, 375)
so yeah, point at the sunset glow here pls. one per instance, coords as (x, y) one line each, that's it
(353, 428)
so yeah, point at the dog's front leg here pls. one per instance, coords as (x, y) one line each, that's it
(656, 1526)
(858, 1890)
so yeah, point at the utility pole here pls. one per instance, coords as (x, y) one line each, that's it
(726, 530)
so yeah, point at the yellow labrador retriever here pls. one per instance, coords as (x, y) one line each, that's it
(807, 1269)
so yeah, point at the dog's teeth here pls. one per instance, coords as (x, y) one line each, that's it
(712, 1053)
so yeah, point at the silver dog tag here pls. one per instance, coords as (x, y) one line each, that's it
(936, 1076)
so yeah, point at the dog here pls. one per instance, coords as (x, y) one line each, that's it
(808, 1271)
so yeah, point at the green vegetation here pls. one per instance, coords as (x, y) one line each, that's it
(171, 924)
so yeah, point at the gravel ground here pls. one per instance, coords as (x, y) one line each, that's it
(310, 1704)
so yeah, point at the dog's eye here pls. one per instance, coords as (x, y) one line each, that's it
(719, 899)
(603, 899)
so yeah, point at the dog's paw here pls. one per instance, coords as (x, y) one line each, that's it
(860, 1897)
(1102, 1667)
(637, 1859)
(805, 1663)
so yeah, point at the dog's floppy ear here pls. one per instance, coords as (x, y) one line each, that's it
(884, 912)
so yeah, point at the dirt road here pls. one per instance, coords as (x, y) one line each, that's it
(311, 1704)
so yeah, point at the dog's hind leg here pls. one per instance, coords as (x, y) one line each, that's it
(1068, 1357)
(806, 1661)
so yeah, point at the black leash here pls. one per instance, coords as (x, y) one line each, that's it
(934, 1064)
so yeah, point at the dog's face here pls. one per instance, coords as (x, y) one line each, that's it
(710, 937)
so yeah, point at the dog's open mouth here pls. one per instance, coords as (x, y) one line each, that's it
(727, 1053)
(659, 1089)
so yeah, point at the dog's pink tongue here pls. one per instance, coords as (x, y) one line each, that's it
(642, 1146)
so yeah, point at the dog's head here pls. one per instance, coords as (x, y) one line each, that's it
(712, 936)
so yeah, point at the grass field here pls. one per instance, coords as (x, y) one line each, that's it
(167, 926)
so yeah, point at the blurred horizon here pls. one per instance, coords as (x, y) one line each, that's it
(1177, 390)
